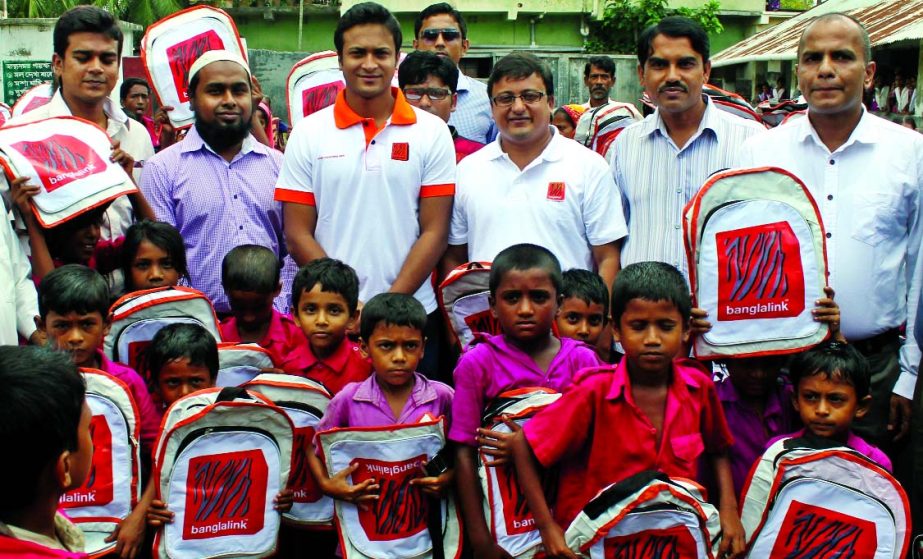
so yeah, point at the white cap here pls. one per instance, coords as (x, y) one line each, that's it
(217, 56)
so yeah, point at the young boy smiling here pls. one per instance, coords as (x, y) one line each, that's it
(666, 414)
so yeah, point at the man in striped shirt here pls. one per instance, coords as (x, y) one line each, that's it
(660, 163)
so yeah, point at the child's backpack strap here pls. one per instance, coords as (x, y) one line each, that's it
(239, 363)
(757, 263)
(113, 486)
(505, 508)
(304, 401)
(829, 501)
(398, 524)
(312, 84)
(647, 515)
(223, 456)
(463, 298)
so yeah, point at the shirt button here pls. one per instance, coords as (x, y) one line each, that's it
(679, 190)
(241, 227)
(373, 142)
(235, 197)
(829, 235)
(830, 197)
(832, 162)
(676, 226)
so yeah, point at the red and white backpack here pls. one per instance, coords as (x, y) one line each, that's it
(171, 45)
(6, 113)
(463, 298)
(113, 485)
(598, 128)
(400, 522)
(505, 508)
(68, 159)
(313, 84)
(239, 363)
(811, 498)
(304, 401)
(757, 262)
(221, 458)
(138, 316)
(647, 515)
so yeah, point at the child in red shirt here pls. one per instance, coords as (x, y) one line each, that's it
(250, 277)
(650, 413)
(325, 298)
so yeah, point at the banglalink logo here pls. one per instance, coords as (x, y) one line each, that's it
(183, 55)
(225, 495)
(60, 160)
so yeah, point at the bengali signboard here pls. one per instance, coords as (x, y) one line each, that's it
(20, 75)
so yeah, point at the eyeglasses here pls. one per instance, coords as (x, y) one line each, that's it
(449, 34)
(434, 93)
(529, 97)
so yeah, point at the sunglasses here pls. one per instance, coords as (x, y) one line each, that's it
(448, 35)
(434, 93)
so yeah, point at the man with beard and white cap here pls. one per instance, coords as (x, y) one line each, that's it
(216, 186)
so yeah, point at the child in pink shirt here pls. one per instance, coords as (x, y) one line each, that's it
(250, 277)
(525, 292)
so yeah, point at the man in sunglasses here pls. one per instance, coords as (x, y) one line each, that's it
(429, 83)
(441, 29)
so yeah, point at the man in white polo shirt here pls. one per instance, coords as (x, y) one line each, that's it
(532, 185)
(370, 180)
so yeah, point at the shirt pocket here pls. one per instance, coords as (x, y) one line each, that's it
(687, 448)
(876, 215)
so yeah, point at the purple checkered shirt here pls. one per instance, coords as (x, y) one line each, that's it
(216, 205)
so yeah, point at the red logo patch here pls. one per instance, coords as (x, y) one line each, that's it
(516, 513)
(483, 322)
(676, 542)
(401, 509)
(556, 191)
(316, 98)
(759, 273)
(400, 151)
(97, 489)
(226, 495)
(302, 481)
(60, 160)
(810, 531)
(137, 358)
(35, 103)
(183, 55)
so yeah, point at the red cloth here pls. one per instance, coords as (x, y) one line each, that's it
(465, 147)
(282, 340)
(345, 365)
(599, 436)
(12, 548)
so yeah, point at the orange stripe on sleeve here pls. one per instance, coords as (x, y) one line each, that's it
(433, 190)
(296, 196)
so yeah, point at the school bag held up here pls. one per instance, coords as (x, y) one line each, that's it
(505, 507)
(463, 298)
(757, 262)
(222, 456)
(304, 401)
(171, 45)
(808, 497)
(399, 524)
(138, 316)
(239, 363)
(113, 485)
(313, 84)
(647, 515)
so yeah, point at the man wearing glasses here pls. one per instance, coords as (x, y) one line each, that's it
(441, 29)
(532, 185)
(429, 83)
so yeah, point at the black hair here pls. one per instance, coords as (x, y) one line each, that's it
(836, 361)
(519, 66)
(604, 63)
(85, 19)
(40, 407)
(130, 83)
(420, 65)
(179, 340)
(437, 9)
(60, 235)
(73, 288)
(525, 257)
(395, 309)
(366, 13)
(333, 276)
(863, 33)
(675, 27)
(650, 281)
(160, 234)
(586, 286)
(250, 268)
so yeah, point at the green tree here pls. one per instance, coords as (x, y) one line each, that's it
(142, 12)
(624, 20)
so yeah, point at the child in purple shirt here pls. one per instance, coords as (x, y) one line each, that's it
(391, 328)
(525, 293)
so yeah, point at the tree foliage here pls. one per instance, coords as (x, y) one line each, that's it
(624, 20)
(142, 12)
